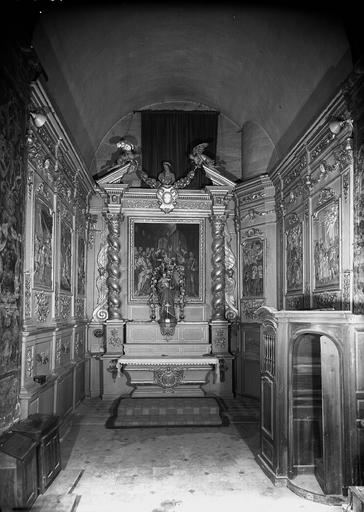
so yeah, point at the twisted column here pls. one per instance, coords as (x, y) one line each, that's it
(218, 267)
(113, 265)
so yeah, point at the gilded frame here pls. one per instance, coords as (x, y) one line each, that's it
(253, 262)
(169, 236)
(43, 245)
(326, 253)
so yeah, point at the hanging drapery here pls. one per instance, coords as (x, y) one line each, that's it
(171, 135)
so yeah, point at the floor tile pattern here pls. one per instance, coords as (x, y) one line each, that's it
(170, 469)
(168, 411)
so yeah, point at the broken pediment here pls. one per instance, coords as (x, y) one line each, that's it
(120, 174)
(217, 178)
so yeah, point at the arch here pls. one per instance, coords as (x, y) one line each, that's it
(328, 467)
(258, 150)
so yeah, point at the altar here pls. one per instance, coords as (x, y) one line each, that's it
(168, 376)
(165, 285)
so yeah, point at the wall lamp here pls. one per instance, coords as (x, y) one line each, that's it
(336, 125)
(39, 115)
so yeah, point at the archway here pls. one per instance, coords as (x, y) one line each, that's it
(315, 412)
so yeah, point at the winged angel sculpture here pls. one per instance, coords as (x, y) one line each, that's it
(197, 156)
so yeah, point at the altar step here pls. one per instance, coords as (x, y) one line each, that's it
(165, 412)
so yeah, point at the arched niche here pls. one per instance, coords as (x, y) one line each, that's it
(315, 411)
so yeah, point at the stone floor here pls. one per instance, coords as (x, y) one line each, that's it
(167, 469)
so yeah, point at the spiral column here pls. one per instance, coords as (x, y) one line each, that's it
(218, 267)
(113, 265)
(220, 197)
(115, 324)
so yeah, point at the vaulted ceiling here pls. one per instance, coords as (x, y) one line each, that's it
(273, 67)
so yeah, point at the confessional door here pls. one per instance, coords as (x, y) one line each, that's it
(328, 470)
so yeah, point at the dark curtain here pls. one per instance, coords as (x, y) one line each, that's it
(171, 135)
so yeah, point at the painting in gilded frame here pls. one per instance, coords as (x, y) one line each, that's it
(154, 241)
(66, 258)
(326, 246)
(43, 245)
(294, 258)
(253, 267)
(81, 273)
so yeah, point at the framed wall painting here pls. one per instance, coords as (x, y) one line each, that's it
(152, 241)
(43, 245)
(253, 267)
(66, 258)
(294, 256)
(81, 271)
(326, 246)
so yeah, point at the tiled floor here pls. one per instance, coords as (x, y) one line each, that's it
(169, 469)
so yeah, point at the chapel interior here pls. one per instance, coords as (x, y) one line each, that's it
(181, 257)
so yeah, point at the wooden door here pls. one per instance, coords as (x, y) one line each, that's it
(329, 470)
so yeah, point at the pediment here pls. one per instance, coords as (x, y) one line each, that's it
(217, 178)
(115, 175)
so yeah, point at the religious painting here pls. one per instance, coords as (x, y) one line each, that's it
(180, 244)
(294, 257)
(253, 264)
(66, 258)
(326, 246)
(81, 274)
(43, 251)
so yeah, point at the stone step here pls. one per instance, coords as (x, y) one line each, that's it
(166, 412)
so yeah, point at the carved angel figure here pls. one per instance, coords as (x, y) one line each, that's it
(167, 178)
(198, 157)
(129, 154)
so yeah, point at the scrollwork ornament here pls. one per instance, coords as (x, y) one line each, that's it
(80, 308)
(65, 307)
(231, 311)
(250, 306)
(91, 230)
(42, 309)
(346, 185)
(346, 290)
(326, 195)
(58, 351)
(27, 295)
(29, 363)
(100, 313)
(326, 300)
